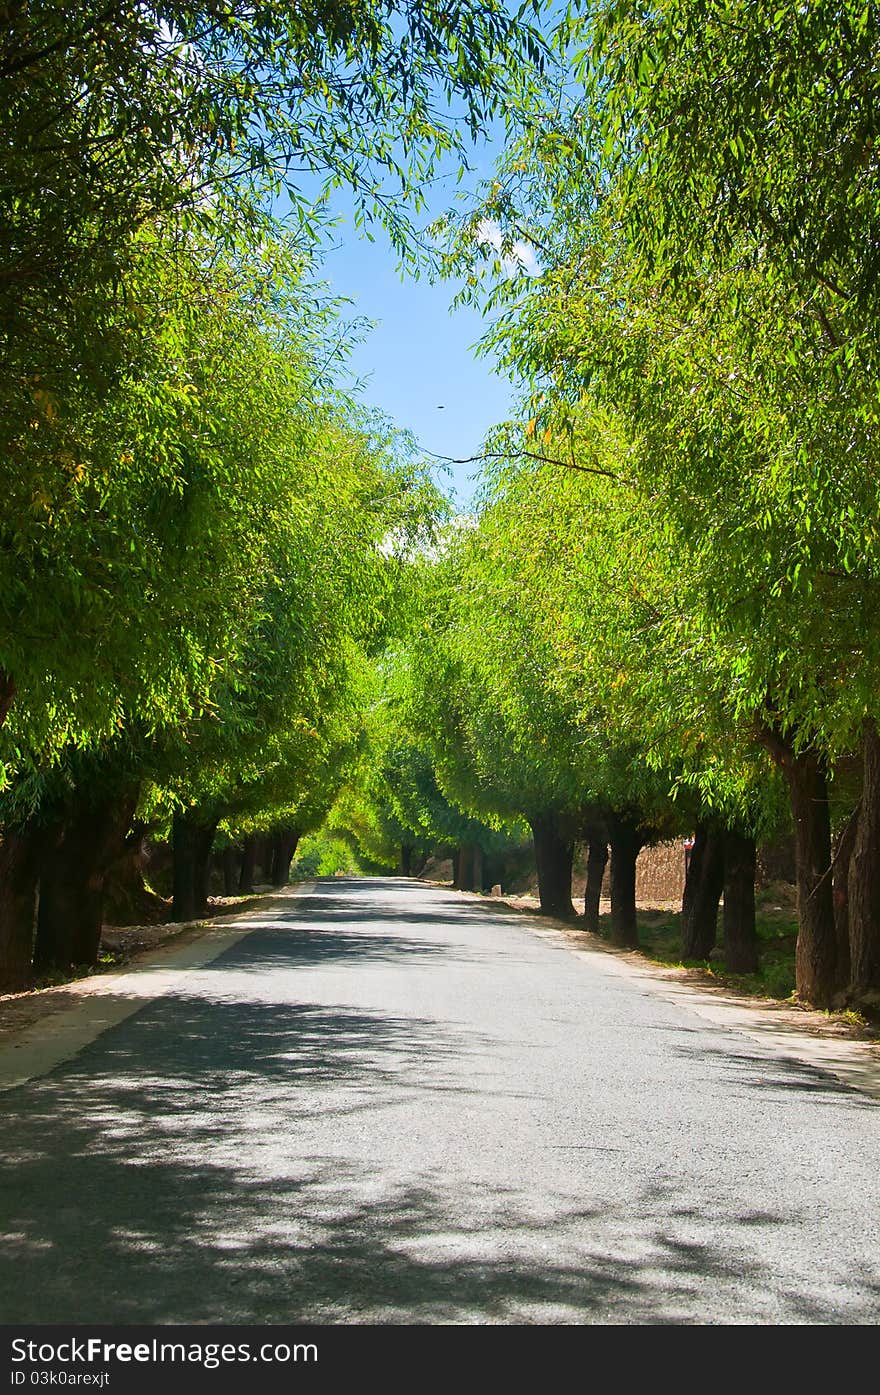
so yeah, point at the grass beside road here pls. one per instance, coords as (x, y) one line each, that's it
(660, 940)
(777, 926)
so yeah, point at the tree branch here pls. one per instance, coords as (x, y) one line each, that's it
(533, 455)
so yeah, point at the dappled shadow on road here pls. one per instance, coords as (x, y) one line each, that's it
(297, 943)
(325, 911)
(311, 931)
(227, 1155)
(783, 1077)
(443, 911)
(167, 1175)
(185, 1052)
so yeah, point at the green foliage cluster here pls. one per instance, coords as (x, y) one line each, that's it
(395, 810)
(324, 855)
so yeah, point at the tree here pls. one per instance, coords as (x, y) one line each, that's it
(143, 145)
(508, 735)
(266, 505)
(747, 423)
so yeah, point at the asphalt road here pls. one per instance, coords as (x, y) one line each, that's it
(392, 1104)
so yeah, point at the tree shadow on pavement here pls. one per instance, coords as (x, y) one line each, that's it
(167, 1175)
(782, 1077)
(294, 944)
(329, 909)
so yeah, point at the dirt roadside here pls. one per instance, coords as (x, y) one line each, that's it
(124, 946)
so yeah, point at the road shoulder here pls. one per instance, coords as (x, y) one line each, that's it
(821, 1040)
(42, 1028)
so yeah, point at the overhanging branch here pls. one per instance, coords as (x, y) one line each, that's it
(533, 455)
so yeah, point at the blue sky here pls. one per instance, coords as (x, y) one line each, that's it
(418, 362)
(418, 359)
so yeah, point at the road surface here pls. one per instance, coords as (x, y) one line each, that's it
(390, 1103)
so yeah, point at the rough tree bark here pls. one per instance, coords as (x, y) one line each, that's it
(71, 897)
(127, 898)
(265, 857)
(702, 893)
(192, 838)
(19, 870)
(626, 844)
(816, 974)
(204, 846)
(554, 854)
(740, 932)
(230, 869)
(816, 953)
(248, 866)
(183, 840)
(843, 851)
(597, 861)
(864, 880)
(467, 865)
(86, 841)
(286, 840)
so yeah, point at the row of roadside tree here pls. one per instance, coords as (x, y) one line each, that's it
(203, 539)
(664, 617)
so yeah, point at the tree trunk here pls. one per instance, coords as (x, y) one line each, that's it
(290, 847)
(7, 695)
(184, 876)
(203, 846)
(554, 854)
(61, 864)
(626, 844)
(597, 861)
(843, 851)
(285, 847)
(816, 958)
(702, 892)
(816, 953)
(19, 870)
(273, 863)
(71, 903)
(740, 932)
(230, 870)
(404, 862)
(127, 898)
(464, 874)
(265, 855)
(192, 840)
(864, 880)
(75, 866)
(248, 866)
(478, 867)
